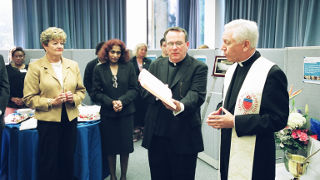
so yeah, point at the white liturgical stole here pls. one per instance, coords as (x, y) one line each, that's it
(248, 102)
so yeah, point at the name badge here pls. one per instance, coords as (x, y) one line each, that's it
(23, 70)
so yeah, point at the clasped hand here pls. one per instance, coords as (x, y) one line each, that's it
(17, 101)
(117, 105)
(63, 97)
(221, 118)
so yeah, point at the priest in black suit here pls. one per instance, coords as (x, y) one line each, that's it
(173, 135)
(255, 105)
(4, 94)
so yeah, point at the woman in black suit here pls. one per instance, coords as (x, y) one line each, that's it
(115, 87)
(140, 62)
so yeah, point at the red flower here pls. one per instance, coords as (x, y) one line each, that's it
(294, 134)
(303, 137)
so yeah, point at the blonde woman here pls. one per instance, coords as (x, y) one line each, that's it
(139, 62)
(53, 87)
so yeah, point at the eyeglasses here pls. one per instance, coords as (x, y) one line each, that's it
(178, 44)
(115, 83)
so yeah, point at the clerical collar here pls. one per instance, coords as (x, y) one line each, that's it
(241, 63)
(175, 64)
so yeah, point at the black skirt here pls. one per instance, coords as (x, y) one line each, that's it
(116, 135)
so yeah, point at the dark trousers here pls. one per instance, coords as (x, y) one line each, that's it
(57, 141)
(168, 165)
(140, 113)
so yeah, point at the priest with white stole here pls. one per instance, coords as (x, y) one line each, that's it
(255, 105)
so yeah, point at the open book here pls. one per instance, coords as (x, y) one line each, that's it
(156, 87)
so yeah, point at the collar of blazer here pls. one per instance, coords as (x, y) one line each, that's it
(44, 62)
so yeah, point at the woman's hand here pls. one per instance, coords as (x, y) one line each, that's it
(117, 105)
(17, 101)
(61, 98)
(69, 97)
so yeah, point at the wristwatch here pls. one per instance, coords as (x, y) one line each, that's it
(50, 103)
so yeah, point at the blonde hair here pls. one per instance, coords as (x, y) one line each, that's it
(203, 46)
(52, 33)
(138, 46)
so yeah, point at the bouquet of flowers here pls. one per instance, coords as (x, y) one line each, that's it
(295, 136)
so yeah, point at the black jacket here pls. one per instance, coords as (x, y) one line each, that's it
(16, 80)
(88, 77)
(189, 87)
(105, 93)
(4, 91)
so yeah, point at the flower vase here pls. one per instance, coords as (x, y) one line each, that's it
(295, 163)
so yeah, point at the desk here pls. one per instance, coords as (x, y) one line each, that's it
(19, 153)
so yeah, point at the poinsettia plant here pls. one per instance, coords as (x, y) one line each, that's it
(295, 136)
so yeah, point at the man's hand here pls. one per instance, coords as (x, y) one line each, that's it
(218, 121)
(177, 103)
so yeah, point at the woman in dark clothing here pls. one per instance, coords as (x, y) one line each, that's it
(115, 87)
(139, 62)
(16, 72)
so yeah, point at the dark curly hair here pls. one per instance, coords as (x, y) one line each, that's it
(107, 46)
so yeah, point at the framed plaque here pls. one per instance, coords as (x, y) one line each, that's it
(221, 64)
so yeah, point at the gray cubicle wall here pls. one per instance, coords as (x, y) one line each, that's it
(311, 92)
(291, 61)
(275, 55)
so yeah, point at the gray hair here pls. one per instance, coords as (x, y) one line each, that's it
(244, 30)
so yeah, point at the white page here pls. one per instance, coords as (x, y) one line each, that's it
(156, 87)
